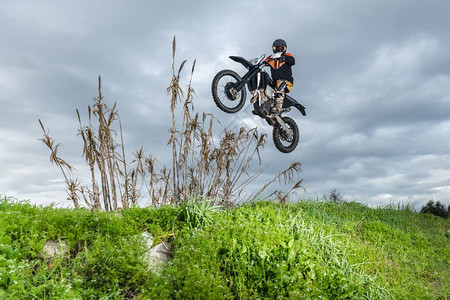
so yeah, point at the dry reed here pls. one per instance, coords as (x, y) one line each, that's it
(200, 166)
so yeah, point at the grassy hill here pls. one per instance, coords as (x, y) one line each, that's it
(264, 250)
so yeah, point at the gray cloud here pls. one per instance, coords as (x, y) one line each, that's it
(375, 78)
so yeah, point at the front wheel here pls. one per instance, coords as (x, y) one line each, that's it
(224, 94)
(286, 141)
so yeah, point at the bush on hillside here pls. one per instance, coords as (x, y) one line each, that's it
(334, 196)
(438, 209)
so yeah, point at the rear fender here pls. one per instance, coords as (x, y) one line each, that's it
(289, 101)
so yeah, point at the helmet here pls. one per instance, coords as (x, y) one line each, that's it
(279, 46)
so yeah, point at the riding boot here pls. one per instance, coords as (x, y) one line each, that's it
(278, 104)
(254, 98)
(257, 94)
(257, 110)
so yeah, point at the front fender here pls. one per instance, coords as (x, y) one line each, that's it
(242, 61)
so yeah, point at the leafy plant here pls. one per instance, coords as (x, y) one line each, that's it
(104, 258)
(261, 250)
(198, 212)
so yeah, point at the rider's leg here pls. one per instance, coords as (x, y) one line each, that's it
(257, 94)
(279, 98)
(283, 87)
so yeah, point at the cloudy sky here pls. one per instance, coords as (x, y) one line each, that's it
(374, 76)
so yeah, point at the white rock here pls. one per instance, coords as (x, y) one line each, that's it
(54, 248)
(156, 256)
(148, 239)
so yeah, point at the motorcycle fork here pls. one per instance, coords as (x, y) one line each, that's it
(246, 79)
(283, 126)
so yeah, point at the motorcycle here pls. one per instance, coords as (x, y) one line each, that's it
(229, 94)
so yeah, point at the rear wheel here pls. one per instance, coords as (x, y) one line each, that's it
(286, 142)
(225, 96)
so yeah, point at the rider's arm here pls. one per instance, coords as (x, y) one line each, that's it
(290, 60)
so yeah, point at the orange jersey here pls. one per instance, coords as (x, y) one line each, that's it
(281, 67)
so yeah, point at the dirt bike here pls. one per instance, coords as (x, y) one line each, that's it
(229, 94)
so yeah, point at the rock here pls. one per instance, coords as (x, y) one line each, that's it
(54, 248)
(148, 239)
(158, 255)
(160, 252)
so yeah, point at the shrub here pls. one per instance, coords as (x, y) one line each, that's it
(437, 209)
(334, 196)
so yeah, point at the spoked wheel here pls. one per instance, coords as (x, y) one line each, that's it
(225, 96)
(286, 141)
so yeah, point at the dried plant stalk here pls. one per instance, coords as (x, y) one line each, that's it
(200, 165)
(65, 168)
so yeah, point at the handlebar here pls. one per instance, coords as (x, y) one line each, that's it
(258, 61)
(261, 59)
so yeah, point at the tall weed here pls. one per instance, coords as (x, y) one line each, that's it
(200, 166)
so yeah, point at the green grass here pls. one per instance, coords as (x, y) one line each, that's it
(264, 250)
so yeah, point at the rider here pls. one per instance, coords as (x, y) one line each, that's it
(280, 66)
